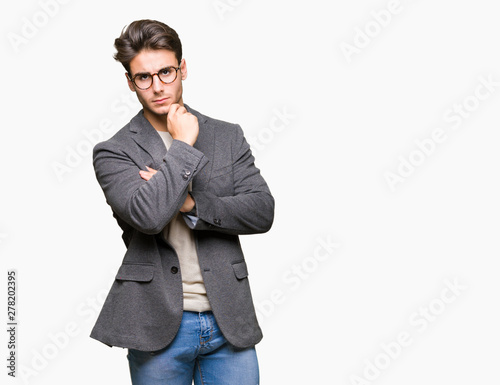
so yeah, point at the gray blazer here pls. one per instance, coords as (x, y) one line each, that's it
(143, 309)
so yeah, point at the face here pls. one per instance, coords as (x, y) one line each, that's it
(157, 99)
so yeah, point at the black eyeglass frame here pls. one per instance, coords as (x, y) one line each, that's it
(152, 76)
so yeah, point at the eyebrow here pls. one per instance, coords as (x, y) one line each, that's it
(149, 73)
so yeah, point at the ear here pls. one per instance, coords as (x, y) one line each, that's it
(130, 84)
(184, 71)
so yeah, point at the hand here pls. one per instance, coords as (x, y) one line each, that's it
(182, 125)
(188, 204)
(147, 175)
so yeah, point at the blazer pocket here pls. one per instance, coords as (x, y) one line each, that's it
(139, 272)
(240, 269)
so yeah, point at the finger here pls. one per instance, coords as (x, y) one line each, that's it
(181, 110)
(173, 108)
(152, 170)
(145, 175)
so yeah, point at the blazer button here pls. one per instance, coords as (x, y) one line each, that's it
(174, 270)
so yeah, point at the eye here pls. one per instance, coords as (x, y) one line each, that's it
(165, 71)
(143, 77)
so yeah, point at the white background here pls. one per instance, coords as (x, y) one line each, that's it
(356, 118)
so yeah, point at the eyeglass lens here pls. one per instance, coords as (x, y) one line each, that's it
(166, 75)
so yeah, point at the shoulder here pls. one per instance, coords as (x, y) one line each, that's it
(222, 128)
(120, 140)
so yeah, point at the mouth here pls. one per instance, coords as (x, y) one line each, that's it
(160, 101)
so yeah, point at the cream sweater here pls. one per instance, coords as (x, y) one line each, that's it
(181, 237)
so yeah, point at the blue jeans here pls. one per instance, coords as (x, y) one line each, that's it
(199, 351)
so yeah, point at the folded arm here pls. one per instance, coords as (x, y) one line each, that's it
(146, 205)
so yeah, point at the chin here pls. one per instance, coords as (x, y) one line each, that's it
(163, 110)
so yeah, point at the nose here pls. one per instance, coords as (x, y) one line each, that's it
(157, 83)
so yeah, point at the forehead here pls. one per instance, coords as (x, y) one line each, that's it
(152, 60)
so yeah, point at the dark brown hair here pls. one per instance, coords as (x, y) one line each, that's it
(146, 34)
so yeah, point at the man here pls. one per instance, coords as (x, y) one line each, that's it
(182, 187)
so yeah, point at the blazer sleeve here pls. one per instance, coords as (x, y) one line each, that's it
(249, 211)
(145, 205)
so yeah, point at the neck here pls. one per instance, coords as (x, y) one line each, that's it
(159, 122)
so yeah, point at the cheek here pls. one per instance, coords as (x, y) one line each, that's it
(142, 98)
(178, 91)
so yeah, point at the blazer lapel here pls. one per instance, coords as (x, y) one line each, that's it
(148, 139)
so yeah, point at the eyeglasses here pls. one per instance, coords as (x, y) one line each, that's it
(144, 80)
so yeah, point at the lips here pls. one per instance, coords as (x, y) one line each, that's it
(160, 101)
